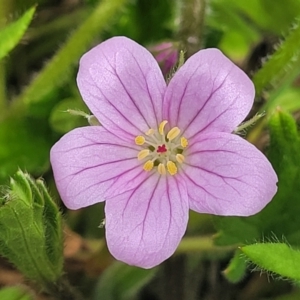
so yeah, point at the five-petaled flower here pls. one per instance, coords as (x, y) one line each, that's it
(162, 149)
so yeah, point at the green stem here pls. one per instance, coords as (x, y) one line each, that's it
(192, 13)
(205, 245)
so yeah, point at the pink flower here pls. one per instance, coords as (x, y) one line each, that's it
(161, 150)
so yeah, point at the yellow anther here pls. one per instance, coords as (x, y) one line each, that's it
(184, 142)
(139, 140)
(161, 169)
(172, 169)
(143, 153)
(162, 126)
(173, 133)
(149, 131)
(148, 166)
(180, 158)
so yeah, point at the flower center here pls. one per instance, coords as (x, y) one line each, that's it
(162, 151)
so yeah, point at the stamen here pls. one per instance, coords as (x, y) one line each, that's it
(161, 169)
(180, 158)
(173, 133)
(149, 131)
(143, 153)
(148, 166)
(162, 150)
(172, 169)
(139, 140)
(184, 142)
(162, 126)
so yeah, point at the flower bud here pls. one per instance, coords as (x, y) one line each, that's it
(31, 229)
(166, 54)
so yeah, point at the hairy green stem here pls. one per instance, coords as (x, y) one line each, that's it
(192, 13)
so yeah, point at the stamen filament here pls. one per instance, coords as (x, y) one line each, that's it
(173, 133)
(148, 166)
(180, 158)
(172, 169)
(140, 140)
(143, 153)
(161, 169)
(184, 142)
(149, 131)
(162, 126)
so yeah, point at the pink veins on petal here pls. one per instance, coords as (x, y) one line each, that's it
(162, 149)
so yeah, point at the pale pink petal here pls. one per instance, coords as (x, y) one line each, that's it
(208, 94)
(144, 226)
(226, 175)
(90, 165)
(122, 84)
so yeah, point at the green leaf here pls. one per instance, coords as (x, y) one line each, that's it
(31, 230)
(122, 282)
(11, 34)
(15, 293)
(278, 258)
(58, 68)
(284, 62)
(236, 269)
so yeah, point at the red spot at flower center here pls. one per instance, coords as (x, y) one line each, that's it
(161, 149)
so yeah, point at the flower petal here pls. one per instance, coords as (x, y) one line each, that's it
(144, 226)
(226, 175)
(121, 83)
(208, 93)
(90, 164)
